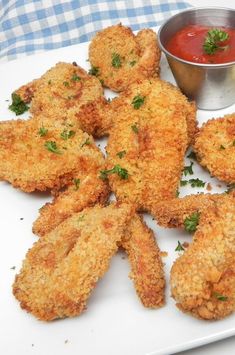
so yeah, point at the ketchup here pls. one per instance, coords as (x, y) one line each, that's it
(188, 43)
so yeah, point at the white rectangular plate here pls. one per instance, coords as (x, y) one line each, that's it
(115, 322)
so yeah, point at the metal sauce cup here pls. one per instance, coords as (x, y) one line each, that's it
(212, 86)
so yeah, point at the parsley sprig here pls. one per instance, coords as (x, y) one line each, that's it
(191, 222)
(94, 71)
(214, 39)
(42, 131)
(220, 297)
(117, 169)
(18, 105)
(138, 101)
(52, 147)
(67, 134)
(116, 60)
(188, 170)
(179, 247)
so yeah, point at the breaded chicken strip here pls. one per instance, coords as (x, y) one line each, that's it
(215, 147)
(61, 270)
(66, 93)
(203, 278)
(86, 190)
(172, 214)
(145, 260)
(148, 139)
(38, 157)
(120, 58)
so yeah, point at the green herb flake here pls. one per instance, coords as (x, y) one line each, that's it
(192, 155)
(138, 101)
(179, 247)
(67, 134)
(132, 63)
(18, 105)
(188, 170)
(116, 60)
(95, 71)
(214, 39)
(87, 142)
(76, 183)
(121, 154)
(134, 128)
(177, 193)
(220, 297)
(117, 169)
(197, 183)
(42, 131)
(52, 147)
(66, 83)
(191, 222)
(183, 182)
(75, 77)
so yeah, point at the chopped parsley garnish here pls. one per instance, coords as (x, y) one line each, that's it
(213, 40)
(52, 147)
(66, 83)
(132, 63)
(191, 222)
(121, 154)
(177, 193)
(75, 77)
(116, 60)
(101, 82)
(135, 128)
(179, 247)
(87, 142)
(222, 147)
(94, 71)
(43, 131)
(183, 182)
(138, 101)
(192, 155)
(196, 183)
(76, 183)
(117, 169)
(188, 170)
(67, 134)
(220, 297)
(18, 105)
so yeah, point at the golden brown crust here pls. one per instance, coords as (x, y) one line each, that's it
(215, 147)
(27, 163)
(62, 268)
(203, 278)
(154, 138)
(172, 213)
(67, 94)
(145, 260)
(139, 55)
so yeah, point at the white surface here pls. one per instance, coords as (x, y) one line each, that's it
(115, 322)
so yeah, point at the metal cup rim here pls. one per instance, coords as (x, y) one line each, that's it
(207, 66)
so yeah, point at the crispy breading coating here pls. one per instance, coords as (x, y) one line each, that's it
(121, 58)
(215, 147)
(86, 190)
(172, 214)
(203, 278)
(62, 268)
(37, 157)
(66, 93)
(153, 135)
(146, 264)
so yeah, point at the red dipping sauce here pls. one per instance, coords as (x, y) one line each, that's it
(188, 43)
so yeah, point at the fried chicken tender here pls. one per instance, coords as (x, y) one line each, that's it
(121, 58)
(37, 157)
(215, 147)
(66, 93)
(172, 214)
(145, 260)
(62, 268)
(203, 278)
(148, 139)
(90, 190)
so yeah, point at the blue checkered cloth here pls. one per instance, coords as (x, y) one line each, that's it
(31, 26)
